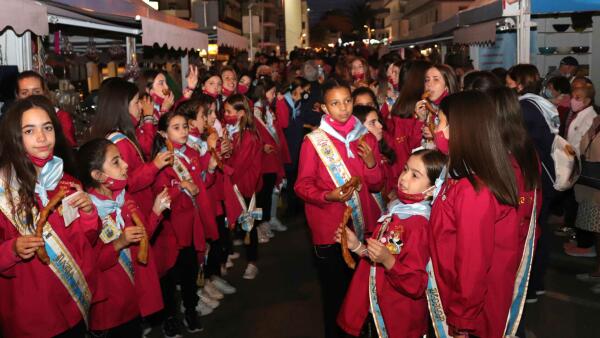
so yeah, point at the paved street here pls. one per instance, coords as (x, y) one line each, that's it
(283, 301)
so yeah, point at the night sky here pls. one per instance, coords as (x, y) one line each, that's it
(318, 7)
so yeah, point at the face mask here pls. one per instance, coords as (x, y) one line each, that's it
(577, 106)
(115, 184)
(547, 93)
(391, 81)
(40, 162)
(441, 142)
(214, 96)
(413, 197)
(227, 92)
(358, 77)
(157, 99)
(242, 88)
(230, 120)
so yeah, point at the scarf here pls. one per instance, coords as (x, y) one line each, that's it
(232, 129)
(201, 144)
(107, 206)
(357, 131)
(295, 106)
(179, 151)
(48, 179)
(547, 109)
(406, 210)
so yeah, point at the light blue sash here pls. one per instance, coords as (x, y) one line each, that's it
(112, 228)
(49, 177)
(340, 174)
(62, 263)
(197, 143)
(295, 107)
(402, 211)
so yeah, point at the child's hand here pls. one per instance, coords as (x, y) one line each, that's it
(426, 133)
(366, 153)
(82, 201)
(268, 148)
(132, 234)
(25, 246)
(353, 241)
(161, 202)
(147, 106)
(212, 140)
(421, 110)
(337, 195)
(163, 159)
(190, 186)
(212, 164)
(379, 253)
(168, 102)
(192, 78)
(226, 146)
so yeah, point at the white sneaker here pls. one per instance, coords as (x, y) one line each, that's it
(212, 291)
(213, 303)
(229, 263)
(276, 225)
(251, 271)
(234, 255)
(204, 309)
(238, 242)
(222, 285)
(262, 238)
(265, 228)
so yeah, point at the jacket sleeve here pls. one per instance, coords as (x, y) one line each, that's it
(145, 135)
(374, 176)
(8, 258)
(408, 275)
(163, 180)
(66, 123)
(283, 114)
(107, 256)
(244, 153)
(140, 177)
(90, 225)
(308, 171)
(475, 219)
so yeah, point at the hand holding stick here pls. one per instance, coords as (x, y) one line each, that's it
(170, 148)
(432, 112)
(344, 239)
(43, 217)
(142, 255)
(353, 182)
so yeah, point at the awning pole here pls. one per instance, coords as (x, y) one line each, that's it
(524, 32)
(130, 48)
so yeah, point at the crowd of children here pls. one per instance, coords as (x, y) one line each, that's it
(421, 192)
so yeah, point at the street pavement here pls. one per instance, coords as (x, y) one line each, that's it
(284, 300)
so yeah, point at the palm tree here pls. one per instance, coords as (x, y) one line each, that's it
(361, 15)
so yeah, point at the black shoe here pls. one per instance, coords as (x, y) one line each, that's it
(192, 322)
(531, 297)
(171, 328)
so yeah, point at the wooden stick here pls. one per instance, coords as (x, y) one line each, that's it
(142, 255)
(344, 239)
(44, 214)
(170, 148)
(216, 156)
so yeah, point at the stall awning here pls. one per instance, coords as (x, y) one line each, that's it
(24, 15)
(173, 36)
(478, 34)
(421, 41)
(555, 6)
(227, 38)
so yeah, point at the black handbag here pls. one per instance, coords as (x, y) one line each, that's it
(590, 171)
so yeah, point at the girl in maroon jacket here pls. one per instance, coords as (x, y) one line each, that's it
(180, 243)
(117, 103)
(330, 156)
(390, 280)
(478, 221)
(131, 285)
(242, 174)
(57, 293)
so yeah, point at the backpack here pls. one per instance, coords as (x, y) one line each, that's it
(566, 161)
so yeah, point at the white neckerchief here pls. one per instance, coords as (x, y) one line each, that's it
(49, 177)
(108, 206)
(356, 132)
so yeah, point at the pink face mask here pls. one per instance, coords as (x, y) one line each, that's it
(441, 142)
(358, 77)
(242, 88)
(231, 120)
(115, 184)
(577, 106)
(227, 92)
(40, 162)
(214, 96)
